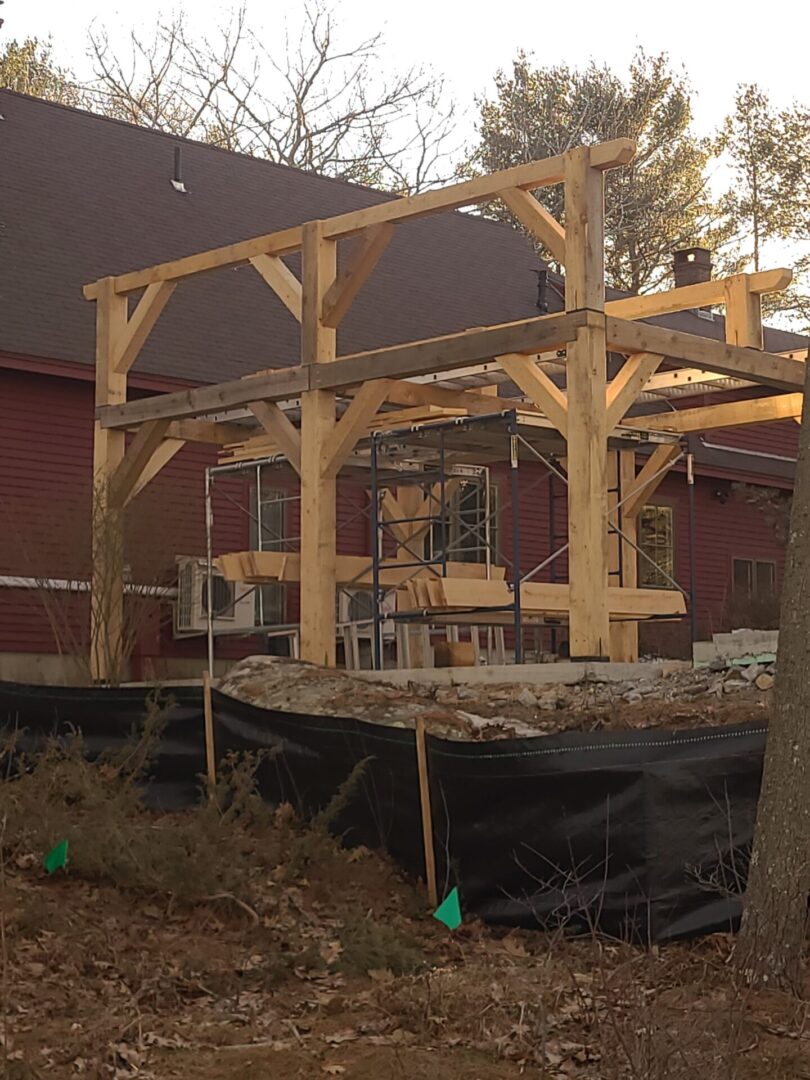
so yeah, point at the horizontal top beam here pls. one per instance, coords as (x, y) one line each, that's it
(396, 362)
(702, 294)
(534, 174)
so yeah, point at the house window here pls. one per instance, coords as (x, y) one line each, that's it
(754, 578)
(656, 540)
(270, 534)
(472, 527)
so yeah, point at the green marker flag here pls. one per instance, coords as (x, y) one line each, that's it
(449, 910)
(56, 859)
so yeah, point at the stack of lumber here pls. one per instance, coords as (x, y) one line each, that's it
(455, 596)
(264, 567)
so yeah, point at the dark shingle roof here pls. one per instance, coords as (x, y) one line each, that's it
(83, 196)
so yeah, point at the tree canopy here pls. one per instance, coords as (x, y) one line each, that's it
(657, 203)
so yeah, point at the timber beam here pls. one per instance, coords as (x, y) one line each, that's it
(534, 174)
(398, 362)
(726, 414)
(770, 369)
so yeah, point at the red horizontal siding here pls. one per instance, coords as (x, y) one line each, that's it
(45, 466)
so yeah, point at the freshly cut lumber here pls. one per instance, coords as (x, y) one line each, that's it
(264, 567)
(536, 598)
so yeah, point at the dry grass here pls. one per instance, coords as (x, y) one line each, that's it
(233, 941)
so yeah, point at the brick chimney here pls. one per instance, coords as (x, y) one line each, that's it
(691, 265)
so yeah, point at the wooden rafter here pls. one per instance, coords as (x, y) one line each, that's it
(628, 384)
(534, 217)
(281, 280)
(280, 428)
(350, 279)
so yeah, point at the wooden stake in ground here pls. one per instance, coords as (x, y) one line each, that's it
(210, 754)
(427, 816)
(772, 936)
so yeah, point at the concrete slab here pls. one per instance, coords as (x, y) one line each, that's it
(565, 672)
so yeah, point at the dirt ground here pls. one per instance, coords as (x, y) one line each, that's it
(682, 699)
(99, 982)
(233, 941)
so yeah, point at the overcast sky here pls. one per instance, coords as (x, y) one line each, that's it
(719, 44)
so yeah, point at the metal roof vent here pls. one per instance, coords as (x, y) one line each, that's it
(177, 181)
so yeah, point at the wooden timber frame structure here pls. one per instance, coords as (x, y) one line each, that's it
(585, 412)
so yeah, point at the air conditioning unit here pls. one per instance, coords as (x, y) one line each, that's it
(357, 606)
(233, 602)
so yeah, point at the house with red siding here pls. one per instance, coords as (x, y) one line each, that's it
(82, 197)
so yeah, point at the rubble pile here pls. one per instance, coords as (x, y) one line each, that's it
(723, 692)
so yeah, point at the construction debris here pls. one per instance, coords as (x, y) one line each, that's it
(688, 698)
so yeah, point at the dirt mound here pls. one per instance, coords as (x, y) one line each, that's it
(683, 699)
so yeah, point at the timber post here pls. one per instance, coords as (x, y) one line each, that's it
(107, 540)
(318, 491)
(589, 625)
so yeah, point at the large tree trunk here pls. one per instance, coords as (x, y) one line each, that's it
(772, 936)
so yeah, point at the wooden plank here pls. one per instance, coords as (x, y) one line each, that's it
(318, 493)
(260, 567)
(281, 280)
(162, 456)
(686, 297)
(628, 384)
(352, 426)
(137, 456)
(538, 387)
(537, 220)
(350, 279)
(280, 428)
(727, 414)
(743, 313)
(535, 174)
(652, 473)
(760, 367)
(140, 324)
(549, 598)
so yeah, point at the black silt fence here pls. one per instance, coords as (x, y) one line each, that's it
(644, 834)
